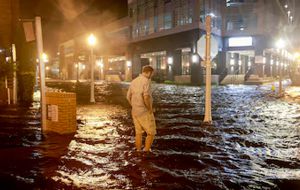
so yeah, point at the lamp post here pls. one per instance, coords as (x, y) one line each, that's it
(128, 70)
(280, 45)
(100, 64)
(77, 71)
(47, 71)
(92, 42)
(170, 61)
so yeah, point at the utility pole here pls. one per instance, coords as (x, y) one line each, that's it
(14, 59)
(92, 97)
(39, 40)
(280, 45)
(77, 72)
(92, 40)
(207, 116)
(280, 73)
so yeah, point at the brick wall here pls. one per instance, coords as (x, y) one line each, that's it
(66, 115)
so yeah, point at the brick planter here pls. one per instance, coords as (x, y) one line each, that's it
(61, 112)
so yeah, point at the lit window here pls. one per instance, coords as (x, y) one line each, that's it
(232, 62)
(186, 67)
(240, 41)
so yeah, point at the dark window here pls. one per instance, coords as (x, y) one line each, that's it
(167, 15)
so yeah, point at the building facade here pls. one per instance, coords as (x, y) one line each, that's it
(109, 53)
(250, 31)
(165, 35)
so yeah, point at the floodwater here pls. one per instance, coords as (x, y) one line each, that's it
(252, 144)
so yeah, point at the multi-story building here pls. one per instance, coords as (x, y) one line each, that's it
(164, 34)
(250, 31)
(246, 30)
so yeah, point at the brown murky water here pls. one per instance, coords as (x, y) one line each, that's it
(252, 144)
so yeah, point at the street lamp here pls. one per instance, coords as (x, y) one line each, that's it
(92, 42)
(195, 58)
(280, 45)
(101, 66)
(128, 63)
(47, 71)
(45, 58)
(170, 60)
(271, 66)
(77, 71)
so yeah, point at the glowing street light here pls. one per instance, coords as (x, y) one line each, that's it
(280, 44)
(45, 57)
(92, 40)
(170, 60)
(128, 63)
(195, 58)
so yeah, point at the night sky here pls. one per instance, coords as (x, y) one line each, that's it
(64, 19)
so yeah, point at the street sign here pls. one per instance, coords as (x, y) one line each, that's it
(29, 32)
(201, 47)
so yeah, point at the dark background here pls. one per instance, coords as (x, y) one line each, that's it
(61, 19)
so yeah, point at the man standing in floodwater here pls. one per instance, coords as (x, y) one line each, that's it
(139, 96)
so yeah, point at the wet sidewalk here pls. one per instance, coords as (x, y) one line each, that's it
(253, 144)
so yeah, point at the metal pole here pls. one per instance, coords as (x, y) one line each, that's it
(92, 99)
(280, 73)
(39, 40)
(8, 91)
(77, 77)
(207, 117)
(14, 58)
(36, 75)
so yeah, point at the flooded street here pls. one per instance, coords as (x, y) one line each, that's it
(252, 144)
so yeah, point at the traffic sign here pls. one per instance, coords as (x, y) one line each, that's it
(201, 47)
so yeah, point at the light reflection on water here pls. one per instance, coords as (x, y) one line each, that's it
(93, 150)
(254, 143)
